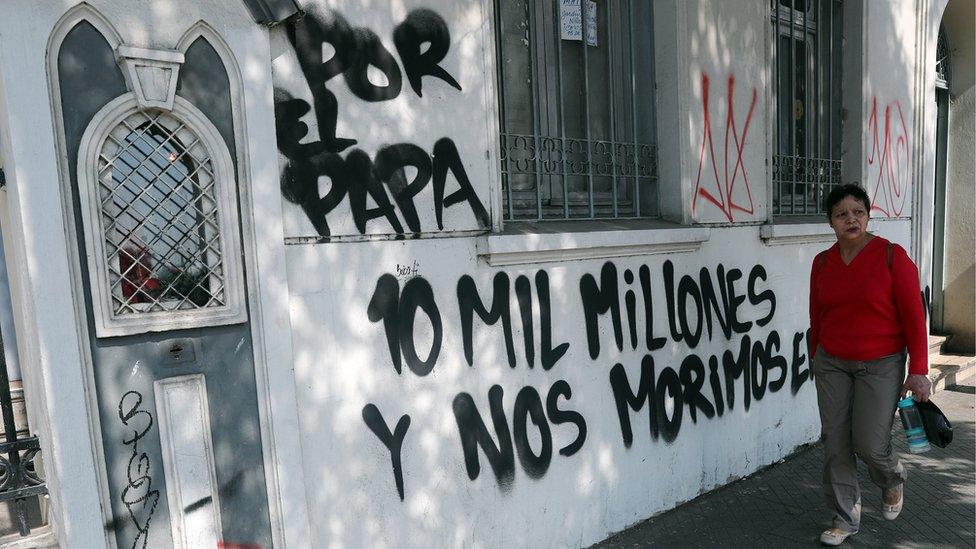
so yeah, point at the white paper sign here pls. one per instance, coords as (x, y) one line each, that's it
(571, 21)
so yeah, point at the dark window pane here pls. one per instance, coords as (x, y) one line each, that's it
(808, 103)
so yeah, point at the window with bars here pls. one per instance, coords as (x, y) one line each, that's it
(807, 87)
(159, 217)
(942, 67)
(576, 88)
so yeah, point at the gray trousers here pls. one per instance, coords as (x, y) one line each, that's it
(857, 402)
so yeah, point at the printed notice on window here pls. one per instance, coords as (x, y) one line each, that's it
(571, 21)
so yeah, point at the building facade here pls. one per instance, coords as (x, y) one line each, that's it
(448, 273)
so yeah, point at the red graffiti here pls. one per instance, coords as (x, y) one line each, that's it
(723, 197)
(889, 158)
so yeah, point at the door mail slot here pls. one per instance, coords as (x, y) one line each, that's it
(177, 351)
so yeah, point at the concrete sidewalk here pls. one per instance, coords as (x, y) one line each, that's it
(782, 506)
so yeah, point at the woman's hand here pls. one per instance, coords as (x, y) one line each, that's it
(919, 385)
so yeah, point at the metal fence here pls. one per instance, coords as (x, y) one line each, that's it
(20, 483)
(554, 163)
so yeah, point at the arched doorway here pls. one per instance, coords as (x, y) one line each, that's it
(953, 236)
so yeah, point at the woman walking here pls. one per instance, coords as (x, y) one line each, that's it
(865, 311)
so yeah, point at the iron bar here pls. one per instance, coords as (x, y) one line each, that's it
(586, 102)
(777, 90)
(613, 99)
(633, 105)
(18, 485)
(18, 496)
(792, 119)
(807, 119)
(500, 69)
(562, 112)
(652, 174)
(536, 138)
(830, 61)
(818, 103)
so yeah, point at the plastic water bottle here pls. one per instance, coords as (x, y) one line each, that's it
(911, 419)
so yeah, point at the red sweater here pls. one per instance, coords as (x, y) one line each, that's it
(866, 310)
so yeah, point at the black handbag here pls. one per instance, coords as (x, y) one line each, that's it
(937, 426)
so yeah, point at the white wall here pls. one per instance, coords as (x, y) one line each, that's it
(403, 117)
(888, 128)
(343, 365)
(727, 169)
(348, 378)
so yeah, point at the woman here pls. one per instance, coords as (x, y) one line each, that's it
(865, 310)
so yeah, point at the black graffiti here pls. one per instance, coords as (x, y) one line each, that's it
(447, 158)
(558, 417)
(708, 305)
(469, 302)
(228, 489)
(393, 441)
(356, 177)
(758, 365)
(474, 432)
(798, 377)
(549, 354)
(390, 167)
(653, 343)
(598, 300)
(408, 270)
(692, 306)
(423, 26)
(307, 39)
(358, 48)
(523, 292)
(138, 496)
(398, 311)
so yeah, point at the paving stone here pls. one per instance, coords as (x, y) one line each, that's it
(782, 506)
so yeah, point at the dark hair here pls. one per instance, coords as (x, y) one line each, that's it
(839, 193)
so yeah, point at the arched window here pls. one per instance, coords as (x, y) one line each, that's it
(943, 72)
(159, 208)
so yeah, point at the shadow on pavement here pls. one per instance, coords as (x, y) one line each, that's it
(782, 506)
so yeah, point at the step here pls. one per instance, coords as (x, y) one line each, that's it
(936, 342)
(948, 370)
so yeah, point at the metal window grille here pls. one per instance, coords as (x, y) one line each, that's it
(943, 71)
(20, 463)
(159, 217)
(576, 83)
(807, 87)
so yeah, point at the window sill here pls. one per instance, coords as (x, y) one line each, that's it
(529, 243)
(801, 231)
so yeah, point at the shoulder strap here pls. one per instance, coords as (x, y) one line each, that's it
(819, 261)
(891, 248)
